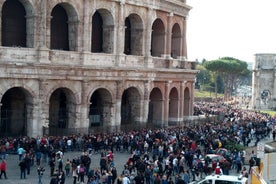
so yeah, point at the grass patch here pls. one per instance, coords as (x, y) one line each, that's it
(206, 94)
(270, 112)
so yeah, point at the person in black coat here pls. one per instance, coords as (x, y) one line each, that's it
(22, 166)
(54, 179)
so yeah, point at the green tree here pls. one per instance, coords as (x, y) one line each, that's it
(229, 69)
(203, 78)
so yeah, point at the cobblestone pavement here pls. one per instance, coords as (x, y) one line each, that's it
(13, 171)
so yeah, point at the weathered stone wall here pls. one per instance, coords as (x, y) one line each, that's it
(125, 85)
(263, 82)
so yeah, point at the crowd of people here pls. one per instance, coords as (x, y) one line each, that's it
(165, 155)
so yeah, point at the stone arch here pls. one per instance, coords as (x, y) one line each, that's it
(102, 39)
(265, 96)
(62, 110)
(64, 27)
(130, 106)
(158, 38)
(173, 105)
(176, 41)
(187, 98)
(155, 114)
(17, 29)
(100, 104)
(16, 112)
(133, 35)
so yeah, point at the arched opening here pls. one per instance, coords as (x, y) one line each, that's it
(130, 106)
(100, 108)
(155, 115)
(59, 29)
(127, 49)
(186, 102)
(102, 31)
(265, 97)
(16, 112)
(176, 41)
(13, 24)
(173, 106)
(62, 112)
(158, 38)
(133, 35)
(97, 33)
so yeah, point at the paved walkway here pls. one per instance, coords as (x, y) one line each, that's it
(13, 171)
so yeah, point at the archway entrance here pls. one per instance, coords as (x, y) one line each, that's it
(155, 115)
(130, 107)
(173, 106)
(62, 112)
(100, 108)
(13, 24)
(186, 102)
(16, 110)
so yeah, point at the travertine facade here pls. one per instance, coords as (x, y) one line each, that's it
(264, 81)
(79, 64)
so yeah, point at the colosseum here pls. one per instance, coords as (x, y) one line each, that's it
(72, 66)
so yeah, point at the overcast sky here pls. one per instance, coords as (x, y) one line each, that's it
(234, 28)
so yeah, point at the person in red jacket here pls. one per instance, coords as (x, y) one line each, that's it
(218, 170)
(3, 168)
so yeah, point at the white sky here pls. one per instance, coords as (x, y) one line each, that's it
(234, 28)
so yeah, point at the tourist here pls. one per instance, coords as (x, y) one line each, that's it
(22, 166)
(125, 179)
(3, 168)
(61, 177)
(67, 167)
(20, 152)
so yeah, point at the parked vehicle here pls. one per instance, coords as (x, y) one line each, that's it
(222, 179)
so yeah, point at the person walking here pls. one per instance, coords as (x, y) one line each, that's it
(22, 166)
(81, 173)
(52, 164)
(62, 177)
(67, 167)
(74, 173)
(3, 168)
(20, 152)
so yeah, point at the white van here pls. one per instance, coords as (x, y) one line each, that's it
(222, 179)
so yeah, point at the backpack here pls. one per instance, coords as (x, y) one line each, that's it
(81, 169)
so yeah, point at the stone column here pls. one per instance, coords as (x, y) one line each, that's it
(120, 35)
(86, 31)
(191, 109)
(41, 33)
(35, 125)
(145, 102)
(118, 102)
(184, 41)
(181, 100)
(168, 37)
(40, 25)
(74, 29)
(82, 115)
(148, 30)
(43, 105)
(166, 103)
